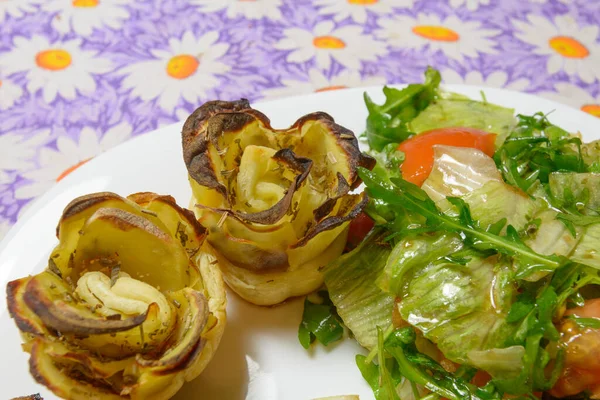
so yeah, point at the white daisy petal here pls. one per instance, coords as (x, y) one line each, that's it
(303, 55)
(494, 79)
(451, 76)
(318, 81)
(575, 97)
(323, 59)
(215, 52)
(9, 94)
(571, 47)
(317, 78)
(116, 135)
(256, 9)
(555, 64)
(84, 20)
(50, 91)
(88, 143)
(323, 28)
(286, 44)
(585, 71)
(520, 84)
(206, 40)
(185, 71)
(454, 37)
(58, 68)
(347, 45)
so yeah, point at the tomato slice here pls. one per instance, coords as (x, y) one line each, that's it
(418, 150)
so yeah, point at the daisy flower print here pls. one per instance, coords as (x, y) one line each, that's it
(452, 36)
(10, 93)
(493, 79)
(471, 5)
(83, 16)
(319, 82)
(256, 9)
(186, 69)
(70, 154)
(58, 68)
(347, 45)
(17, 152)
(358, 9)
(570, 47)
(17, 8)
(575, 97)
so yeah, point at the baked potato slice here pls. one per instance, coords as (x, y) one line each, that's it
(131, 305)
(276, 203)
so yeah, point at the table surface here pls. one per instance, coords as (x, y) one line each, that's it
(78, 77)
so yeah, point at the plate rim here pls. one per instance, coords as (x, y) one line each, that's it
(34, 207)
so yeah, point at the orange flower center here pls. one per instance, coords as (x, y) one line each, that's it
(568, 47)
(53, 59)
(182, 66)
(85, 3)
(71, 169)
(0, 83)
(328, 42)
(436, 33)
(363, 2)
(328, 88)
(593, 109)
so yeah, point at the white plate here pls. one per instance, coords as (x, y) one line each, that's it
(259, 357)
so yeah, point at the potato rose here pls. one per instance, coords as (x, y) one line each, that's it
(132, 304)
(277, 203)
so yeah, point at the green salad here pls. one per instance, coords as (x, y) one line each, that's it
(475, 267)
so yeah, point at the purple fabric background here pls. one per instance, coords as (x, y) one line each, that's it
(43, 136)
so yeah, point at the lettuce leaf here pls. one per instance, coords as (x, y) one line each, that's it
(506, 362)
(552, 236)
(591, 155)
(577, 191)
(413, 254)
(586, 252)
(462, 308)
(472, 175)
(350, 279)
(464, 112)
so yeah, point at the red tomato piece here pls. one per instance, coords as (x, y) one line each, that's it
(359, 228)
(582, 355)
(418, 150)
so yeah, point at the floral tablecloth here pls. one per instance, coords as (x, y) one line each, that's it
(78, 77)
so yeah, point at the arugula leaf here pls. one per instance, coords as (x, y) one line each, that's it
(387, 123)
(405, 195)
(536, 327)
(384, 377)
(535, 149)
(320, 322)
(387, 387)
(371, 374)
(577, 195)
(524, 305)
(422, 370)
